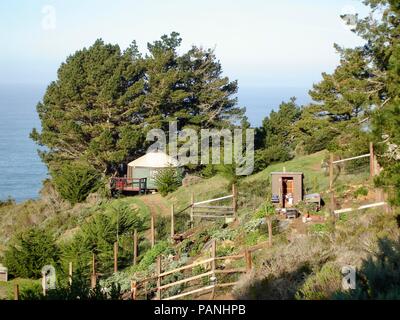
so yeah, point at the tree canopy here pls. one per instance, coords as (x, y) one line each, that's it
(106, 99)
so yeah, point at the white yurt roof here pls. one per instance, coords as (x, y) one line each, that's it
(154, 160)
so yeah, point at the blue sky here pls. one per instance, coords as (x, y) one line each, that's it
(261, 43)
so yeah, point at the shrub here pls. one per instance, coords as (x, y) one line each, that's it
(8, 202)
(98, 234)
(321, 285)
(168, 180)
(362, 191)
(74, 182)
(29, 252)
(379, 275)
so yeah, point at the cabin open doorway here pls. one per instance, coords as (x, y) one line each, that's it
(287, 192)
(287, 188)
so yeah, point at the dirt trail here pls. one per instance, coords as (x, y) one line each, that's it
(156, 204)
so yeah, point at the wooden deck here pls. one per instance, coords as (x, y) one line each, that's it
(129, 184)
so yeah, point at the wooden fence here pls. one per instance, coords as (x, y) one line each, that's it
(156, 283)
(374, 170)
(203, 210)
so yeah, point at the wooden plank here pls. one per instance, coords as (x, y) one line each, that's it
(229, 284)
(371, 160)
(214, 207)
(367, 206)
(221, 213)
(213, 254)
(172, 223)
(181, 295)
(259, 246)
(211, 216)
(135, 246)
(233, 257)
(186, 267)
(236, 270)
(199, 276)
(158, 278)
(153, 240)
(352, 158)
(16, 292)
(70, 273)
(213, 200)
(115, 257)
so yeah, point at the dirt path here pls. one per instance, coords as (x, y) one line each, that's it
(156, 204)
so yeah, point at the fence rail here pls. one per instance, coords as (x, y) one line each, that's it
(211, 271)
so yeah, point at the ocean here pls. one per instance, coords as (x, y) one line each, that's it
(21, 170)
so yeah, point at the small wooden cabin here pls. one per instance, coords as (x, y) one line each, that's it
(287, 188)
(148, 165)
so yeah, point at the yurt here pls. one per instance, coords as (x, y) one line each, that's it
(148, 165)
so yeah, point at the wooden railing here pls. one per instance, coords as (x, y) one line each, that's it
(212, 269)
(202, 209)
(129, 184)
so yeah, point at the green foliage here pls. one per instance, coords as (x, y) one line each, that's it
(275, 140)
(105, 100)
(151, 255)
(379, 276)
(97, 235)
(321, 285)
(362, 191)
(168, 180)
(266, 210)
(75, 182)
(29, 252)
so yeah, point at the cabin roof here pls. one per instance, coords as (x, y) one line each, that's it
(287, 173)
(154, 160)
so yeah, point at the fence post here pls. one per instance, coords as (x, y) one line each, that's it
(332, 195)
(133, 289)
(249, 262)
(93, 278)
(152, 231)
(135, 246)
(158, 271)
(234, 200)
(191, 210)
(115, 256)
(44, 284)
(213, 266)
(70, 273)
(172, 223)
(16, 292)
(371, 160)
(213, 254)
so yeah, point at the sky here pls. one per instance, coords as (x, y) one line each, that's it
(261, 43)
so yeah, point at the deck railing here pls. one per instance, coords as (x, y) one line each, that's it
(129, 184)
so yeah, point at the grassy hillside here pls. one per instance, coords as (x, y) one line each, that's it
(302, 254)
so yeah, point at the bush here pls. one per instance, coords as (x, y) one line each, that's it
(8, 202)
(29, 252)
(168, 180)
(74, 182)
(98, 234)
(379, 275)
(321, 285)
(362, 191)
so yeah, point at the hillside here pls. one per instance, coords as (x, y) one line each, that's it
(303, 258)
